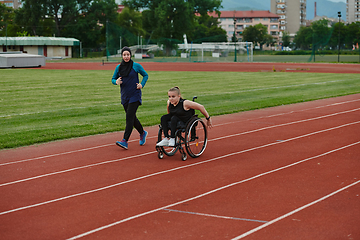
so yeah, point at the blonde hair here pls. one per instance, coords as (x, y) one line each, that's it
(175, 89)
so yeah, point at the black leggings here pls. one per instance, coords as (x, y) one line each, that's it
(164, 123)
(131, 120)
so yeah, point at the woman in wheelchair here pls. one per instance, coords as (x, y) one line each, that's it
(180, 111)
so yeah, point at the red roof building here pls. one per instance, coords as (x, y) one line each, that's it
(244, 19)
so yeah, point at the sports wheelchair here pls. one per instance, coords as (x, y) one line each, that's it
(193, 135)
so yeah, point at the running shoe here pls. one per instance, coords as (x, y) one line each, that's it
(172, 142)
(123, 143)
(163, 143)
(143, 138)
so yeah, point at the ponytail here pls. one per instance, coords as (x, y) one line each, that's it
(175, 89)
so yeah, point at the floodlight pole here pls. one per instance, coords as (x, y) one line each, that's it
(339, 15)
(120, 45)
(235, 36)
(6, 36)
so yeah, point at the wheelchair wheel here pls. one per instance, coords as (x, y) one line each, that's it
(195, 137)
(169, 151)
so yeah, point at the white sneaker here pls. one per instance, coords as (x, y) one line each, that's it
(171, 142)
(163, 143)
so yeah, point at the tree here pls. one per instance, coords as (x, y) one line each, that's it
(321, 33)
(31, 16)
(286, 39)
(206, 29)
(81, 19)
(352, 34)
(90, 26)
(269, 40)
(304, 38)
(256, 34)
(316, 36)
(171, 19)
(7, 27)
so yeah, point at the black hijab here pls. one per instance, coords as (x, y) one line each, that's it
(125, 67)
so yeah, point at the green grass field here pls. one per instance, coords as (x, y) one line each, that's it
(45, 105)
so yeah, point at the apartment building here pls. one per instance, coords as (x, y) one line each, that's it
(12, 3)
(244, 19)
(353, 11)
(292, 14)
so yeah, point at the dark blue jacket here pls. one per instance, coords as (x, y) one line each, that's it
(129, 93)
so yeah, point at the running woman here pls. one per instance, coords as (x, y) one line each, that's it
(126, 75)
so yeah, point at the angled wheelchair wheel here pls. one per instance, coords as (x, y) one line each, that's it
(195, 137)
(169, 151)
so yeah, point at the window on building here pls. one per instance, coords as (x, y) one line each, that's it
(265, 19)
(256, 19)
(274, 27)
(273, 33)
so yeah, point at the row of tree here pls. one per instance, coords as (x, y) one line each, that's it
(82, 19)
(320, 35)
(160, 21)
(86, 19)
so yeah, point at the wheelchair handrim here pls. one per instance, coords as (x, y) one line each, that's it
(196, 147)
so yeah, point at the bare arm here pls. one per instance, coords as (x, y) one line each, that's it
(194, 105)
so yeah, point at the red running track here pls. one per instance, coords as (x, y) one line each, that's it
(289, 172)
(211, 66)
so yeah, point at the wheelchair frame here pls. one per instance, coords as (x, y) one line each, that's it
(190, 138)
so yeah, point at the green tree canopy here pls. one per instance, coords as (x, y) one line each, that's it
(286, 39)
(256, 34)
(7, 26)
(206, 29)
(82, 19)
(353, 34)
(169, 20)
(321, 35)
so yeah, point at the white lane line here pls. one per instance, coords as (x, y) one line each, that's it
(286, 113)
(171, 170)
(216, 216)
(286, 124)
(256, 130)
(293, 212)
(65, 153)
(205, 194)
(215, 139)
(111, 144)
(76, 168)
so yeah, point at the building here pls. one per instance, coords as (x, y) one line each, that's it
(12, 3)
(353, 11)
(245, 19)
(46, 46)
(292, 14)
(317, 18)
